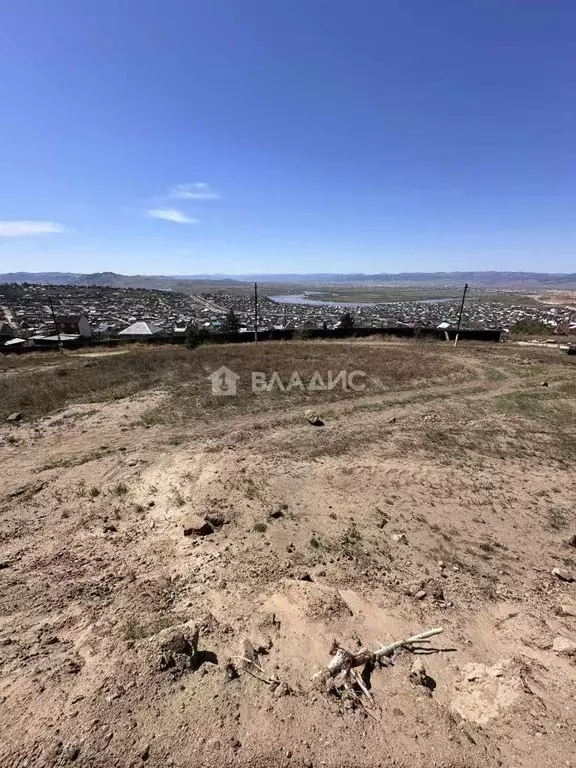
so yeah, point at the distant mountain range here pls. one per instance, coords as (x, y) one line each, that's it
(501, 280)
(114, 280)
(478, 279)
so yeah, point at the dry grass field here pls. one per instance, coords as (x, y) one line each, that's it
(140, 513)
(83, 378)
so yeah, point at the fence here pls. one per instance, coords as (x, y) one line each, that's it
(422, 332)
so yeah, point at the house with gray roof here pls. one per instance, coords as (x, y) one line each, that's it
(141, 329)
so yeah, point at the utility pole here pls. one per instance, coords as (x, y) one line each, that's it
(55, 323)
(255, 311)
(460, 315)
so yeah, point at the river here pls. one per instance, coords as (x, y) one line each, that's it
(303, 299)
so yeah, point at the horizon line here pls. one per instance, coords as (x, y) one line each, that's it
(228, 275)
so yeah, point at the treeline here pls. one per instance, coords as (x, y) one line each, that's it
(11, 292)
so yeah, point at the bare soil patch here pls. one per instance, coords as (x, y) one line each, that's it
(442, 497)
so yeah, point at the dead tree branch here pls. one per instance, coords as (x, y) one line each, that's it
(340, 672)
(388, 650)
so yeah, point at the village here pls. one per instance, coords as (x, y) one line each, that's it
(477, 314)
(44, 315)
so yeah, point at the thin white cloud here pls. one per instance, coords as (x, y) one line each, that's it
(199, 190)
(169, 214)
(29, 228)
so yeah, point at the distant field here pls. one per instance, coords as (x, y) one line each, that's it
(508, 298)
(382, 294)
(352, 293)
(393, 294)
(557, 298)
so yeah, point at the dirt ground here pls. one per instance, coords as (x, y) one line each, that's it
(449, 503)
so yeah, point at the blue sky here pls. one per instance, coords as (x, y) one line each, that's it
(238, 136)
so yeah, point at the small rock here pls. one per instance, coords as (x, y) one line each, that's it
(14, 416)
(562, 574)
(304, 576)
(391, 420)
(175, 642)
(282, 690)
(565, 610)
(418, 672)
(264, 646)
(110, 529)
(400, 538)
(543, 383)
(132, 462)
(215, 518)
(420, 595)
(411, 589)
(71, 752)
(436, 591)
(419, 676)
(563, 646)
(572, 541)
(5, 641)
(276, 513)
(145, 754)
(195, 525)
(313, 418)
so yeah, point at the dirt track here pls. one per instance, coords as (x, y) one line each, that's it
(95, 568)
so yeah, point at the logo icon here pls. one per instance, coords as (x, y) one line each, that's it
(224, 381)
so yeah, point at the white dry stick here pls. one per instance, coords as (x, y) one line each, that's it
(249, 661)
(388, 650)
(362, 687)
(343, 660)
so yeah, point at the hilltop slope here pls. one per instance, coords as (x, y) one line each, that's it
(441, 496)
